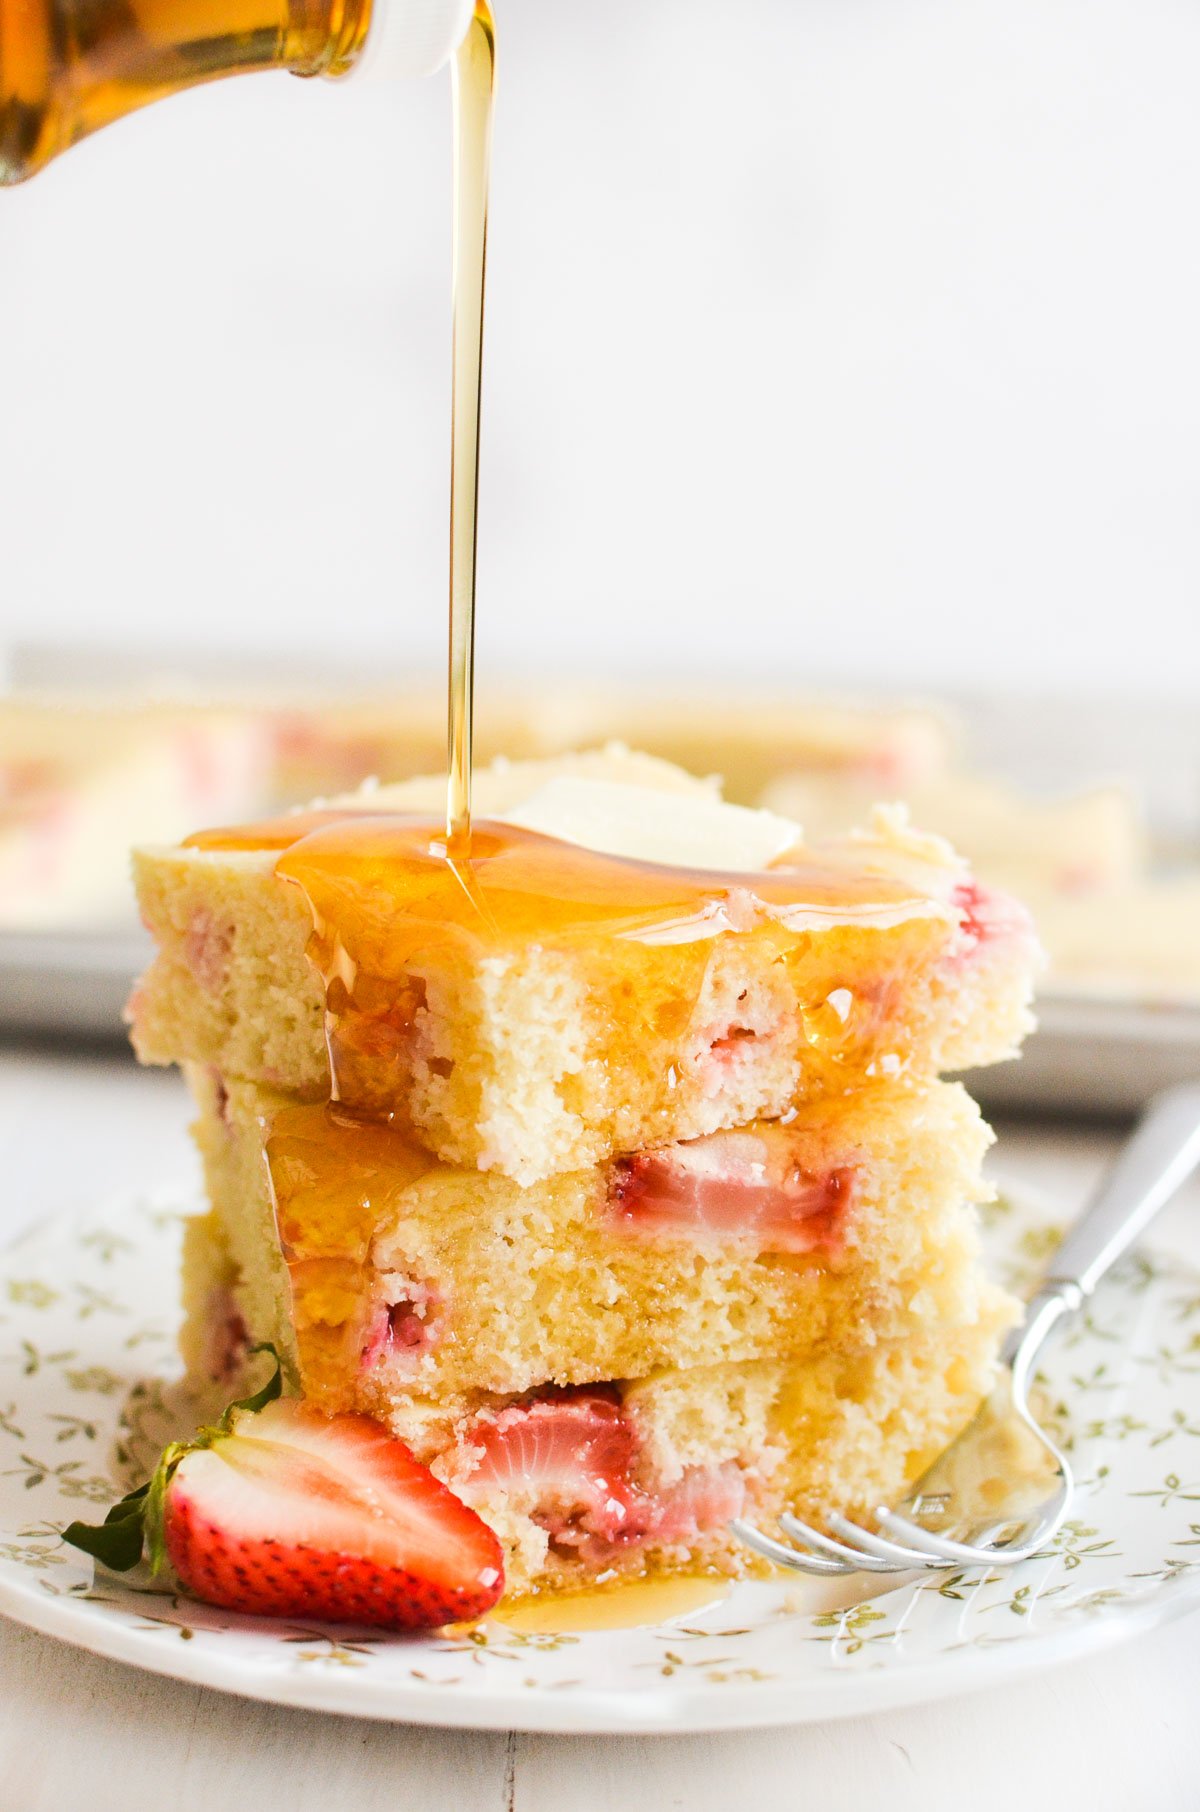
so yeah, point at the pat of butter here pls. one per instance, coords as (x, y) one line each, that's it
(680, 830)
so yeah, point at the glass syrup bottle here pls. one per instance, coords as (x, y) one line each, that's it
(68, 67)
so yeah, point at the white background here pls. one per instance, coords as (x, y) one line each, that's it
(829, 339)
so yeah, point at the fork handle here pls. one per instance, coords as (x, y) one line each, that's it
(1156, 1162)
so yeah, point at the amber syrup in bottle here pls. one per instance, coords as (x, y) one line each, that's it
(68, 67)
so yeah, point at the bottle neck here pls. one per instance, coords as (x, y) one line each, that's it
(326, 37)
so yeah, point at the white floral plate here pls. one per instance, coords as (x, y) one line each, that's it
(88, 1307)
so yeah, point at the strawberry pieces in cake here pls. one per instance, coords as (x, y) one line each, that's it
(571, 1453)
(988, 916)
(746, 1186)
(569, 1457)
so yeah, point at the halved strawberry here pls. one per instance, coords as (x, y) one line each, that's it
(744, 1187)
(295, 1514)
(282, 1511)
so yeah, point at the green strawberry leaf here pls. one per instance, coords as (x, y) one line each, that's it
(117, 1541)
(137, 1522)
(271, 1389)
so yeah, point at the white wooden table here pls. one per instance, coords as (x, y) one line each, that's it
(78, 1734)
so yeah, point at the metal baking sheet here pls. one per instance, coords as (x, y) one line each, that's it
(70, 984)
(1094, 1055)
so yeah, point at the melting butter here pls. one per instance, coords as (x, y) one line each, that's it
(679, 830)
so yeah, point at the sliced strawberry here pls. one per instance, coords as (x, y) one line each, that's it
(567, 1461)
(988, 916)
(704, 1498)
(728, 1049)
(748, 1187)
(403, 1326)
(226, 1338)
(206, 947)
(300, 1515)
(279, 1510)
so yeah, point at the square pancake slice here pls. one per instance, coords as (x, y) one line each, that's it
(383, 1274)
(533, 1005)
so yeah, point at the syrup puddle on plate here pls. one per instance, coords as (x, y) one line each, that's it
(637, 1605)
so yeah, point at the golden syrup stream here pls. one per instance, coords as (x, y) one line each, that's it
(474, 80)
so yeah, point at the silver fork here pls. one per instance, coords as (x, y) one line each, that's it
(1001, 1490)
